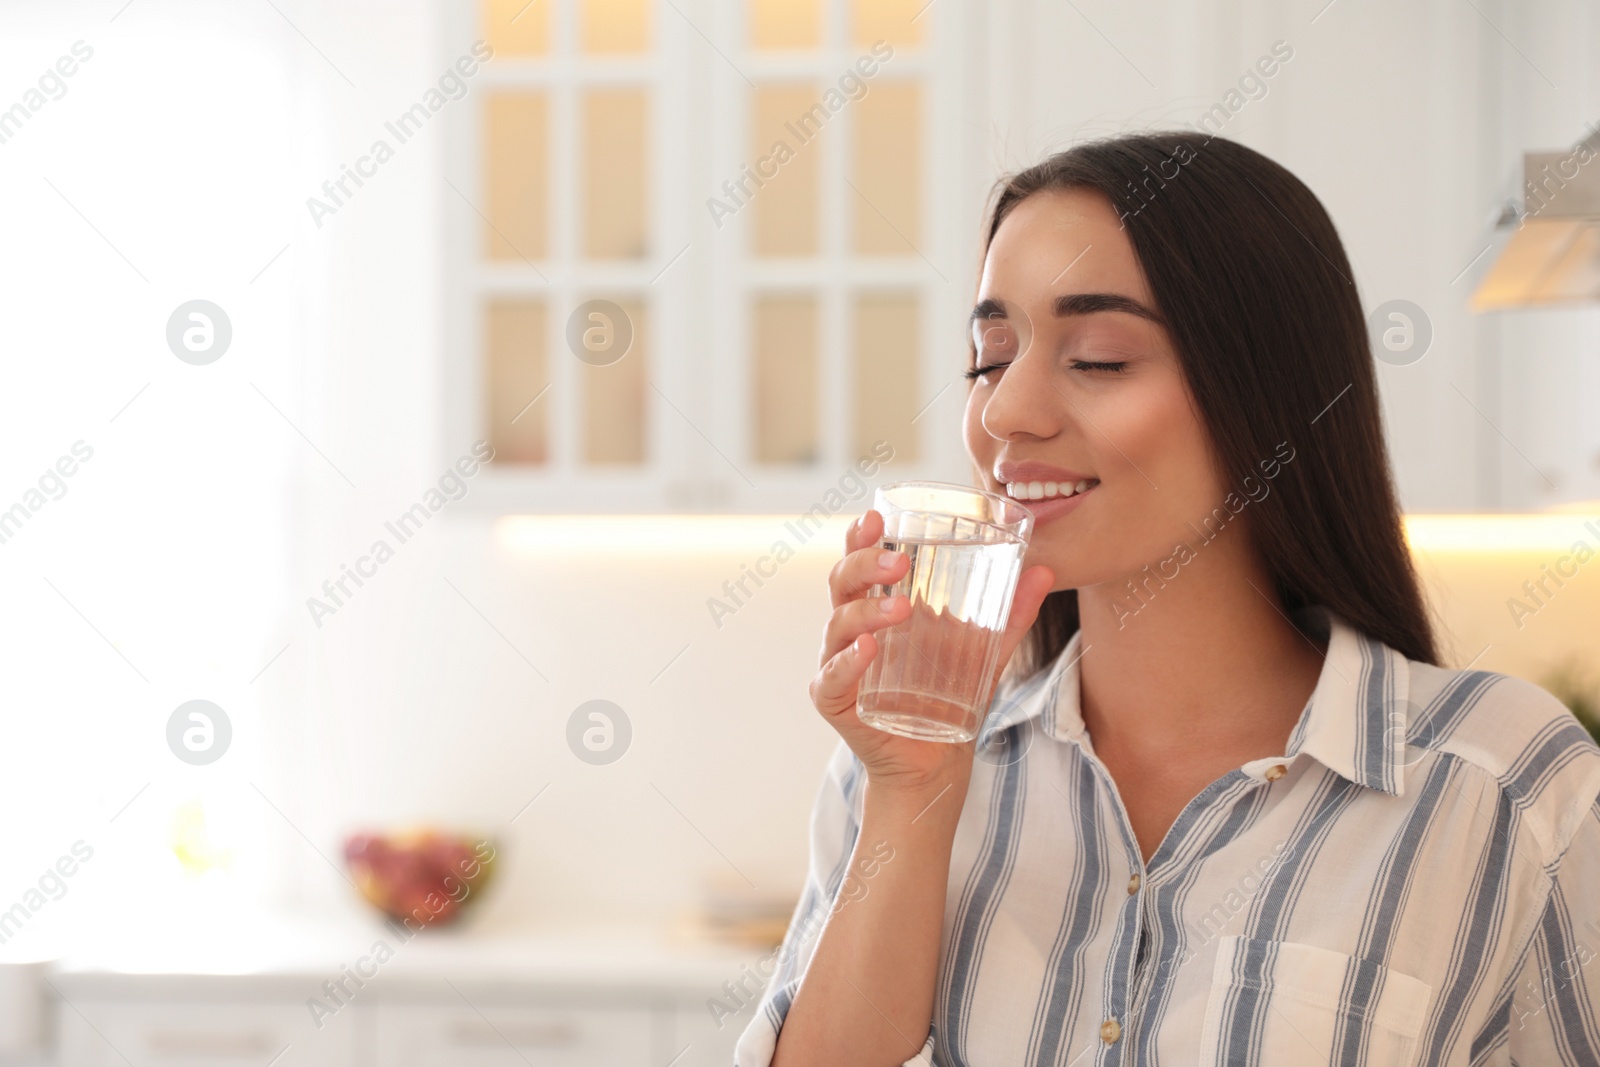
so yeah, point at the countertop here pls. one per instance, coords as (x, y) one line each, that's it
(272, 955)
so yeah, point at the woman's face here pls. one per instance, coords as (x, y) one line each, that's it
(1077, 380)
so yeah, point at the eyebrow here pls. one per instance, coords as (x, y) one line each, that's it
(1075, 304)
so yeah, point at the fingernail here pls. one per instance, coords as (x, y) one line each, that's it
(888, 604)
(887, 559)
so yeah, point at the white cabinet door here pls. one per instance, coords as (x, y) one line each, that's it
(640, 314)
(427, 1035)
(217, 1034)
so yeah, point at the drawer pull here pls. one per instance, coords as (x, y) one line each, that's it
(477, 1033)
(209, 1043)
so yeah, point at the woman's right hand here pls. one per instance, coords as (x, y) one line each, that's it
(849, 644)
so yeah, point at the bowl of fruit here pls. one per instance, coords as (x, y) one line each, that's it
(420, 876)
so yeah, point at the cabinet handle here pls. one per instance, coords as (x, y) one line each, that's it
(209, 1043)
(476, 1032)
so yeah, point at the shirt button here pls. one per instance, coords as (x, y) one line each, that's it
(1276, 771)
(1133, 885)
(1110, 1030)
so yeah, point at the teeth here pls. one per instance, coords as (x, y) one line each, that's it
(1046, 490)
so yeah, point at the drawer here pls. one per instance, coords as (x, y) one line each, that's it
(99, 1033)
(490, 1035)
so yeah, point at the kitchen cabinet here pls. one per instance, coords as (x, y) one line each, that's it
(491, 1034)
(603, 999)
(501, 1027)
(132, 1028)
(650, 305)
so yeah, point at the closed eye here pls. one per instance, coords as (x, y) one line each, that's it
(1106, 366)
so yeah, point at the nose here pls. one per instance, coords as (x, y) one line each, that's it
(1026, 402)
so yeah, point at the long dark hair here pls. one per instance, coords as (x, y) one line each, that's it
(1260, 302)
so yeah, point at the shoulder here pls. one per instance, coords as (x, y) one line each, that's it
(1508, 727)
(1514, 734)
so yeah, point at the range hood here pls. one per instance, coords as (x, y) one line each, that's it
(1548, 239)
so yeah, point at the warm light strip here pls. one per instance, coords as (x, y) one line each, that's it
(1541, 532)
(712, 534)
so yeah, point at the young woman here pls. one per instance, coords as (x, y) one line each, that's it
(1228, 806)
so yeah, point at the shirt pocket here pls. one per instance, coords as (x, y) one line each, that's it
(1280, 1002)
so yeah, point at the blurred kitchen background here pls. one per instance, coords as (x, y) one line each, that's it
(279, 274)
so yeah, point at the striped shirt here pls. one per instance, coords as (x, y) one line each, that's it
(1416, 880)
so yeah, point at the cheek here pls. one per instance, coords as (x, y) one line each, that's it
(1143, 422)
(1158, 437)
(1193, 459)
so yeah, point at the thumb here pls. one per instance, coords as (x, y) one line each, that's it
(1032, 587)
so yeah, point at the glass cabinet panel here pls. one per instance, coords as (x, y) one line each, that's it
(787, 205)
(614, 26)
(785, 24)
(887, 383)
(786, 379)
(899, 22)
(517, 375)
(615, 430)
(887, 166)
(516, 174)
(615, 174)
(517, 27)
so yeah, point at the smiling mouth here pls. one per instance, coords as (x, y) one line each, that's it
(1048, 490)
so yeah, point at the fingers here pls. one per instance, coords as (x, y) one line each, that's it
(851, 620)
(848, 646)
(854, 576)
(836, 685)
(864, 564)
(1032, 587)
(866, 530)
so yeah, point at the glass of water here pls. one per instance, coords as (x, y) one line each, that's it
(933, 672)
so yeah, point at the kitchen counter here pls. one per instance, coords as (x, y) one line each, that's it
(279, 952)
(292, 990)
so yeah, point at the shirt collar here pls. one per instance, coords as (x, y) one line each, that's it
(1355, 722)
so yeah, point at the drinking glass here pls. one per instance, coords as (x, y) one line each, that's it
(933, 672)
